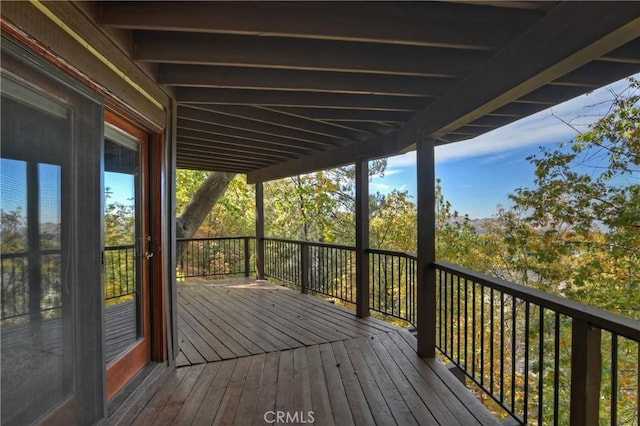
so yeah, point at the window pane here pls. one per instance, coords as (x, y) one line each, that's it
(121, 236)
(36, 323)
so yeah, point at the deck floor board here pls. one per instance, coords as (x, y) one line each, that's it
(301, 357)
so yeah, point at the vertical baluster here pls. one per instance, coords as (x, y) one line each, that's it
(491, 343)
(501, 347)
(451, 313)
(466, 324)
(526, 361)
(458, 323)
(556, 369)
(482, 319)
(541, 366)
(473, 329)
(513, 353)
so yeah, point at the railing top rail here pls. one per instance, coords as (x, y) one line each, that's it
(215, 238)
(26, 253)
(393, 253)
(311, 243)
(121, 247)
(605, 320)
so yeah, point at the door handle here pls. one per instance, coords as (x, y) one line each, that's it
(148, 255)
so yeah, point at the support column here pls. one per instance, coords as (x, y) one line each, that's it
(362, 238)
(426, 284)
(586, 373)
(260, 231)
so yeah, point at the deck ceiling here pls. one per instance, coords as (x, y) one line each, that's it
(280, 88)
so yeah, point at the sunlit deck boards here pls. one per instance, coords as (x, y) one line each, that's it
(230, 319)
(296, 354)
(366, 380)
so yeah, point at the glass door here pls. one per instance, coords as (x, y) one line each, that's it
(126, 252)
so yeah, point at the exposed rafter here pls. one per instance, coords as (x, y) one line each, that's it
(568, 37)
(420, 23)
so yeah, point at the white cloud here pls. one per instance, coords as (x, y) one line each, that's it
(402, 161)
(376, 186)
(391, 172)
(543, 127)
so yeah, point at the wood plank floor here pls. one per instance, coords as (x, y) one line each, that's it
(251, 352)
(236, 318)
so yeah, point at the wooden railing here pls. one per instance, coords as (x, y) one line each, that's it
(216, 257)
(327, 269)
(17, 300)
(542, 358)
(539, 358)
(392, 284)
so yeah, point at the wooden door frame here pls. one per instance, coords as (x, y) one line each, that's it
(128, 364)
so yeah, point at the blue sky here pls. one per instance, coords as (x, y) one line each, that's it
(477, 174)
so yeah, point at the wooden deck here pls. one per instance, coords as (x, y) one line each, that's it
(251, 351)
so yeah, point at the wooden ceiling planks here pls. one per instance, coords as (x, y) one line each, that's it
(314, 85)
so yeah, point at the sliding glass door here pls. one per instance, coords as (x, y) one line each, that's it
(126, 252)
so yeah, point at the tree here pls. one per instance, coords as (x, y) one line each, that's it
(200, 205)
(584, 212)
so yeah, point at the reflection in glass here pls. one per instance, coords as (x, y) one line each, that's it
(36, 321)
(121, 271)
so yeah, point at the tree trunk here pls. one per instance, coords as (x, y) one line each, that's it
(200, 206)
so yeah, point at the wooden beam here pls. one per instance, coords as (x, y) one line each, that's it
(260, 230)
(212, 117)
(426, 24)
(209, 167)
(599, 73)
(276, 118)
(568, 37)
(250, 135)
(300, 54)
(301, 80)
(193, 141)
(239, 142)
(333, 114)
(228, 159)
(362, 238)
(426, 272)
(187, 95)
(586, 373)
(626, 53)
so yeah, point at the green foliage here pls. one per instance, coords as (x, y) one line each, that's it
(583, 215)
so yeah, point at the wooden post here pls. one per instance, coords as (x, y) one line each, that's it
(362, 238)
(586, 373)
(260, 230)
(304, 268)
(247, 255)
(426, 283)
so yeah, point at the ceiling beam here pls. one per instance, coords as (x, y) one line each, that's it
(205, 142)
(187, 165)
(420, 23)
(250, 135)
(350, 114)
(213, 117)
(287, 120)
(300, 80)
(217, 157)
(190, 95)
(220, 138)
(567, 38)
(301, 54)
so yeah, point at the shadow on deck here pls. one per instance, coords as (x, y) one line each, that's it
(249, 351)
